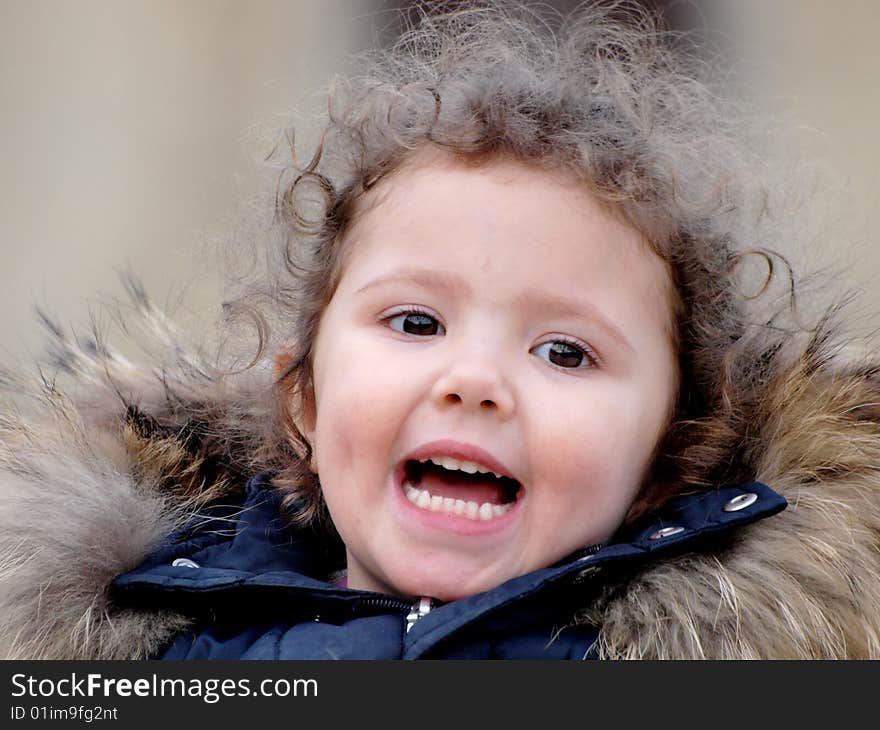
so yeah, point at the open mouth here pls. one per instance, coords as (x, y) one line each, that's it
(464, 488)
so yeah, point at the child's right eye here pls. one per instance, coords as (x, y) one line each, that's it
(416, 323)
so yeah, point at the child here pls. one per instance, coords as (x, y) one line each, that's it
(521, 404)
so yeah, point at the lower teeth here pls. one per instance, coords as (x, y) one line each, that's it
(472, 510)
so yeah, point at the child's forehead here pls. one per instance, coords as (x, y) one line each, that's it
(431, 176)
(440, 207)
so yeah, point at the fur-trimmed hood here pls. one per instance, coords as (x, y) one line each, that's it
(95, 476)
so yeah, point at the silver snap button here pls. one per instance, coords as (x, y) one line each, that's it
(741, 502)
(185, 563)
(666, 532)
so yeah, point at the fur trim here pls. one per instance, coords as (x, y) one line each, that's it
(805, 584)
(102, 474)
(71, 519)
(90, 484)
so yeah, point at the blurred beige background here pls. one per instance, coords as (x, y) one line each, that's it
(817, 65)
(132, 130)
(129, 129)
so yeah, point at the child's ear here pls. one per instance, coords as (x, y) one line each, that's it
(306, 421)
(301, 405)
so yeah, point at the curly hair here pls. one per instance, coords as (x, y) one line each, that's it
(605, 94)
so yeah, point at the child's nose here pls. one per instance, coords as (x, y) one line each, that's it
(475, 386)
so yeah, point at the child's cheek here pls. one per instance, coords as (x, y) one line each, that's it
(359, 395)
(571, 433)
(587, 451)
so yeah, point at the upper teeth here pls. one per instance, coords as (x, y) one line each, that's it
(470, 467)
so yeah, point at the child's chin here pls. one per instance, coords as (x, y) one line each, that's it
(447, 588)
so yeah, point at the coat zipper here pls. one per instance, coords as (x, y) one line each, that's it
(419, 609)
(415, 611)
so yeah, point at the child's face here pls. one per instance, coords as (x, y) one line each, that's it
(460, 328)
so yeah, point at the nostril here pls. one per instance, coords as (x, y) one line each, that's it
(456, 398)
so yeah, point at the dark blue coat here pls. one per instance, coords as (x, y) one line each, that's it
(247, 579)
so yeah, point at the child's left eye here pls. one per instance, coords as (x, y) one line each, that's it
(567, 355)
(416, 323)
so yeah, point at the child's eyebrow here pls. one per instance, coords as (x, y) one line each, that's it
(548, 304)
(427, 278)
